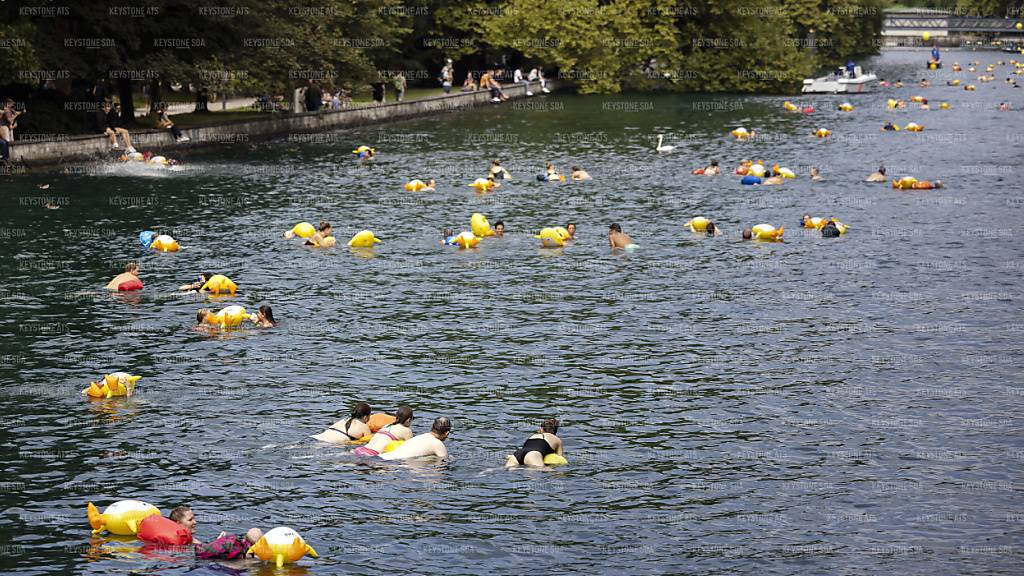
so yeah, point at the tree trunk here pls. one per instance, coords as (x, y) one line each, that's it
(154, 95)
(124, 94)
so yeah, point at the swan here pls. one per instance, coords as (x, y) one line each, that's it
(663, 149)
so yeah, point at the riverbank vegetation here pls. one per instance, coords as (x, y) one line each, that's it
(55, 56)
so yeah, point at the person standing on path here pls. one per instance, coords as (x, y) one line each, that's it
(314, 97)
(447, 76)
(400, 84)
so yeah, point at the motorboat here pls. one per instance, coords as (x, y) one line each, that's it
(842, 81)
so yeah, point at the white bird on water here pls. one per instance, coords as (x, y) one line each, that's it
(663, 149)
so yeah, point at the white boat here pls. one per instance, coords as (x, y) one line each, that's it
(840, 83)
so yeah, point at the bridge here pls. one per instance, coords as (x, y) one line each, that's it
(906, 27)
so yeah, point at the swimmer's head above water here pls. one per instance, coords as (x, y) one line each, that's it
(570, 227)
(747, 234)
(403, 416)
(265, 316)
(442, 427)
(550, 426)
(361, 411)
(499, 228)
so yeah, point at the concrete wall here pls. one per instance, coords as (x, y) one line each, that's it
(52, 150)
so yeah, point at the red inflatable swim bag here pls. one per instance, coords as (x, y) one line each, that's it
(697, 171)
(160, 530)
(129, 286)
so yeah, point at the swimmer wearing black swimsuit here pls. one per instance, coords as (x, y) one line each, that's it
(345, 431)
(533, 445)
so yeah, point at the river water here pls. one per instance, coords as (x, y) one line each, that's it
(814, 406)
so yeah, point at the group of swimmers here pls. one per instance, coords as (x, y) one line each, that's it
(129, 280)
(390, 437)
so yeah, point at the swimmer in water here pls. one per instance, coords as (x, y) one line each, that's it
(429, 444)
(877, 176)
(551, 173)
(195, 286)
(229, 546)
(747, 234)
(400, 429)
(713, 169)
(815, 174)
(430, 187)
(349, 430)
(1004, 107)
(618, 239)
(926, 185)
(498, 171)
(924, 83)
(830, 230)
(890, 127)
(323, 238)
(499, 228)
(579, 174)
(712, 230)
(491, 184)
(541, 443)
(265, 317)
(130, 274)
(183, 515)
(447, 237)
(771, 178)
(571, 229)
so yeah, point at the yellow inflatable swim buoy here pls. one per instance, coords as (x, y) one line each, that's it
(481, 227)
(841, 227)
(822, 133)
(757, 169)
(913, 127)
(554, 459)
(698, 224)
(364, 151)
(302, 230)
(282, 545)
(790, 106)
(892, 103)
(767, 232)
(115, 384)
(740, 133)
(415, 185)
(944, 106)
(467, 240)
(121, 517)
(164, 243)
(550, 238)
(219, 284)
(917, 98)
(786, 173)
(364, 239)
(905, 183)
(390, 446)
(229, 317)
(970, 88)
(482, 184)
(815, 222)
(955, 82)
(846, 107)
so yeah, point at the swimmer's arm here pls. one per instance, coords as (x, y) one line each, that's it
(440, 450)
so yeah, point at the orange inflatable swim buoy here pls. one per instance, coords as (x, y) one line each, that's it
(161, 530)
(379, 420)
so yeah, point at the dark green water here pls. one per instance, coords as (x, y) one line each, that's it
(818, 406)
